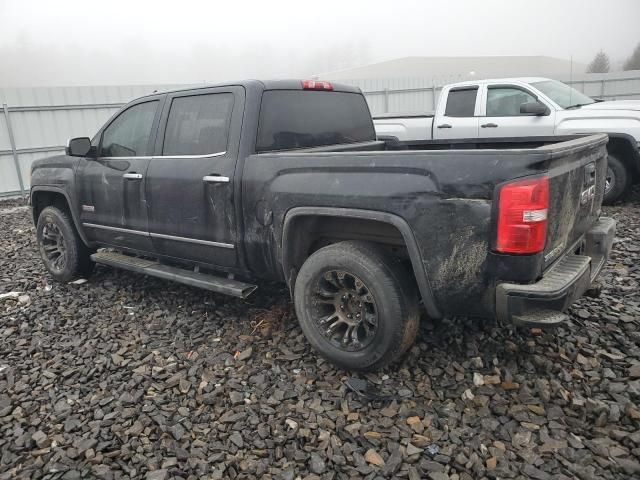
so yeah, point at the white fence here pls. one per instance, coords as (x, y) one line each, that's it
(36, 122)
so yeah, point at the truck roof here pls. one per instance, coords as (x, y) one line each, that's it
(499, 80)
(288, 84)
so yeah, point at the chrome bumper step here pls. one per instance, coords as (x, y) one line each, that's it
(540, 318)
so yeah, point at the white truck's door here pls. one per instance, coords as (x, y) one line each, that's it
(456, 113)
(501, 117)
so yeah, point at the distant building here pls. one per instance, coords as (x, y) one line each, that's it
(447, 69)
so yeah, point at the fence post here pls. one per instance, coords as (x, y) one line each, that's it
(433, 96)
(602, 89)
(386, 100)
(14, 151)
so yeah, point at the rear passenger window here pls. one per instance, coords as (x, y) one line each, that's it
(198, 125)
(461, 102)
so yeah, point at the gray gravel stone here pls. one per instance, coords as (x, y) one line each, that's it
(161, 474)
(317, 464)
(236, 439)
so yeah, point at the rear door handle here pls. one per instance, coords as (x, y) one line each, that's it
(444, 125)
(214, 178)
(489, 125)
(132, 176)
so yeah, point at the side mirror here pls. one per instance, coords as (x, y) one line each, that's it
(534, 108)
(78, 147)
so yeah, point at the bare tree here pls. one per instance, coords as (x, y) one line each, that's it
(633, 62)
(599, 64)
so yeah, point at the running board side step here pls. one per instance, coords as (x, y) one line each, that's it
(180, 275)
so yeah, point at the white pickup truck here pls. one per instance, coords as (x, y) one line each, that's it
(527, 107)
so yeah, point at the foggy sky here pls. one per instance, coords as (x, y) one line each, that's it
(87, 42)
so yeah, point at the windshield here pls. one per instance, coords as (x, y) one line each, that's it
(563, 94)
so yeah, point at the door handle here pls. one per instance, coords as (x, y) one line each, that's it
(444, 125)
(215, 178)
(489, 125)
(132, 176)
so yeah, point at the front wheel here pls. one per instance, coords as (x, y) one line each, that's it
(616, 180)
(357, 307)
(64, 254)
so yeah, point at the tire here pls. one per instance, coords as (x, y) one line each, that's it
(64, 254)
(617, 180)
(357, 279)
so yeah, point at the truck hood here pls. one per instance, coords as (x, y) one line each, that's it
(614, 105)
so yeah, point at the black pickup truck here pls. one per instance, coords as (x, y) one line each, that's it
(286, 180)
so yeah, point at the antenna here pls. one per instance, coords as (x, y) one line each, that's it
(570, 78)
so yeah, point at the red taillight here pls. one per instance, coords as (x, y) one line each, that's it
(522, 216)
(316, 85)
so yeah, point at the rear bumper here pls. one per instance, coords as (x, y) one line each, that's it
(543, 302)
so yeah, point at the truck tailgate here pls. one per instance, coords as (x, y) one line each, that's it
(576, 188)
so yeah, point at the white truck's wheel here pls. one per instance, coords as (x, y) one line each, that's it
(617, 180)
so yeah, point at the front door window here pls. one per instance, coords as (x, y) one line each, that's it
(129, 134)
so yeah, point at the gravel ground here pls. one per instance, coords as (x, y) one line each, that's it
(132, 377)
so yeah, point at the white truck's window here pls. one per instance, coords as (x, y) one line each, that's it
(128, 135)
(198, 125)
(461, 102)
(506, 101)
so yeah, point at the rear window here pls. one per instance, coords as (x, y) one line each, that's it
(292, 119)
(461, 102)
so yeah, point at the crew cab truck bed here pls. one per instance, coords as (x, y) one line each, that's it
(286, 181)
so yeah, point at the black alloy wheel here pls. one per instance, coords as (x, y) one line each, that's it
(357, 305)
(346, 313)
(63, 252)
(53, 248)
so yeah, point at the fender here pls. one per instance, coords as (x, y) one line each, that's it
(633, 145)
(406, 232)
(74, 216)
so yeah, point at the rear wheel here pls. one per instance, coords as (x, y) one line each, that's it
(357, 307)
(64, 254)
(616, 180)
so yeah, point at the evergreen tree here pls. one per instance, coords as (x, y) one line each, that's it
(633, 62)
(599, 64)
